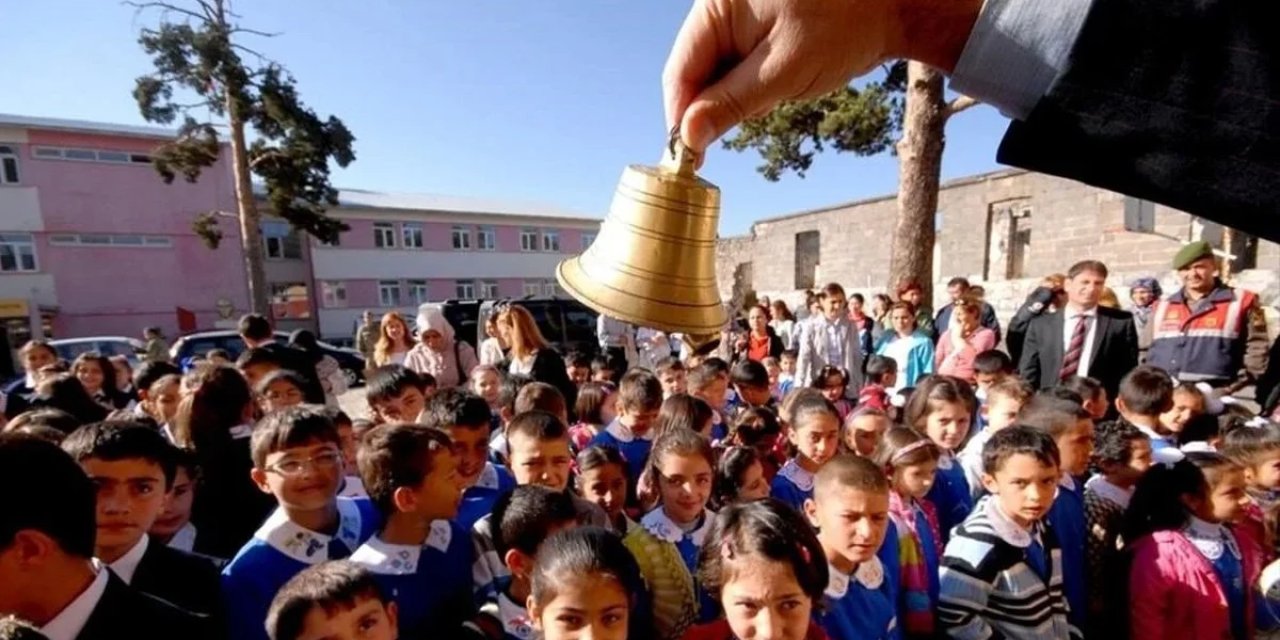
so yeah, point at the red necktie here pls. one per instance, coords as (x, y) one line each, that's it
(1071, 359)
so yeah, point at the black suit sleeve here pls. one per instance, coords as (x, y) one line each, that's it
(1029, 366)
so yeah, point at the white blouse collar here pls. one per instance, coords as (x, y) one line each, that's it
(945, 459)
(792, 471)
(1210, 538)
(661, 526)
(624, 434)
(488, 477)
(401, 559)
(1067, 482)
(1109, 491)
(515, 618)
(1006, 528)
(305, 545)
(869, 574)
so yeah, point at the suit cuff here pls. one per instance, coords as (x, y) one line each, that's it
(1017, 49)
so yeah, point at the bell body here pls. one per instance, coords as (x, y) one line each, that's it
(653, 264)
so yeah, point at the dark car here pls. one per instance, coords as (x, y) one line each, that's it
(187, 347)
(566, 323)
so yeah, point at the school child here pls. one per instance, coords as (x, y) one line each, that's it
(1002, 570)
(850, 511)
(465, 417)
(639, 401)
(739, 477)
(1255, 447)
(602, 370)
(1071, 428)
(990, 368)
(486, 382)
(1186, 562)
(219, 357)
(279, 389)
(160, 402)
(352, 486)
(833, 382)
(512, 385)
(709, 381)
(760, 429)
(540, 396)
(585, 583)
(124, 381)
(881, 375)
(1004, 401)
(420, 557)
(397, 394)
(751, 383)
(683, 411)
(602, 480)
(146, 375)
(523, 519)
(18, 395)
(1145, 393)
(910, 460)
(1122, 454)
(336, 600)
(766, 568)
(51, 425)
(174, 526)
(577, 365)
(787, 375)
(863, 430)
(133, 468)
(595, 408)
(815, 435)
(667, 542)
(1188, 404)
(772, 368)
(941, 408)
(671, 374)
(297, 458)
(255, 363)
(1093, 396)
(98, 377)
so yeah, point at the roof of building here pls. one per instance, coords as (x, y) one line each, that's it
(86, 126)
(366, 199)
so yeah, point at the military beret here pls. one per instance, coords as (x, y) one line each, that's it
(1190, 253)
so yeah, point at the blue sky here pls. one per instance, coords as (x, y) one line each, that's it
(522, 100)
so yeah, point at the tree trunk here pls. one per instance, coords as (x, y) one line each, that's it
(919, 175)
(250, 227)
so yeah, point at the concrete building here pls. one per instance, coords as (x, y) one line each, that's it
(1005, 230)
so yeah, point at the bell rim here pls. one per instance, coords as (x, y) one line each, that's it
(570, 286)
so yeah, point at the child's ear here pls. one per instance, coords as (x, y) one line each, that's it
(535, 612)
(259, 477)
(811, 512)
(519, 563)
(506, 414)
(1120, 405)
(403, 499)
(989, 483)
(393, 616)
(984, 410)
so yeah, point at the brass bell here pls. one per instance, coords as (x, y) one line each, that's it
(653, 263)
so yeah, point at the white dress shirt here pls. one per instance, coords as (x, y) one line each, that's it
(1072, 316)
(71, 620)
(126, 565)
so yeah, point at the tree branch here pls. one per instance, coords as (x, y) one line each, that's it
(253, 32)
(165, 7)
(266, 156)
(960, 104)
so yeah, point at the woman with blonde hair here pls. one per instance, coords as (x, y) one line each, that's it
(438, 352)
(393, 340)
(530, 354)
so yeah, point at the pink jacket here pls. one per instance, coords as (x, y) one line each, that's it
(1174, 593)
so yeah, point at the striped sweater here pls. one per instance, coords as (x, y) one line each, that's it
(988, 587)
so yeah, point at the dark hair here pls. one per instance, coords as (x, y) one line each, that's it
(47, 417)
(278, 375)
(993, 361)
(858, 297)
(591, 401)
(540, 396)
(113, 441)
(397, 455)
(524, 517)
(820, 381)
(669, 363)
(255, 327)
(1146, 391)
(734, 462)
(1053, 416)
(771, 530)
(576, 359)
(807, 408)
(679, 442)
(185, 460)
(1157, 504)
(933, 389)
(832, 289)
(897, 439)
(755, 426)
(64, 392)
(542, 426)
(1091, 266)
(589, 551)
(217, 403)
(1060, 392)
(880, 367)
(639, 390)
(389, 381)
(456, 408)
(749, 373)
(510, 390)
(682, 410)
(1247, 443)
(291, 427)
(789, 353)
(601, 363)
(1015, 388)
(148, 373)
(333, 586)
(598, 455)
(60, 502)
(1113, 442)
(1019, 440)
(258, 356)
(853, 472)
(304, 340)
(1088, 388)
(32, 345)
(958, 282)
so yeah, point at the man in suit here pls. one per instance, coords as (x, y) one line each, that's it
(48, 575)
(1081, 338)
(256, 332)
(1115, 93)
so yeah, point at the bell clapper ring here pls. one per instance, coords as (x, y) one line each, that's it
(677, 157)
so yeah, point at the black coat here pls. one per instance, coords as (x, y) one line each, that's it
(299, 362)
(180, 578)
(1114, 352)
(124, 612)
(549, 367)
(1037, 303)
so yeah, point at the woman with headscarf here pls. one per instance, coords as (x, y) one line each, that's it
(1145, 294)
(438, 352)
(329, 372)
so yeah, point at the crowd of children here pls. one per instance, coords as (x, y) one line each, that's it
(699, 500)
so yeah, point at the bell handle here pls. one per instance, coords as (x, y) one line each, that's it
(678, 158)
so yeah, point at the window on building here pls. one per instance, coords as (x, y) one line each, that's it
(282, 241)
(8, 165)
(465, 290)
(588, 238)
(389, 293)
(551, 241)
(333, 294)
(113, 240)
(289, 300)
(488, 290)
(91, 155)
(808, 257)
(550, 288)
(417, 291)
(1020, 243)
(336, 242)
(411, 233)
(462, 238)
(528, 239)
(17, 252)
(486, 239)
(384, 235)
(1139, 215)
(532, 288)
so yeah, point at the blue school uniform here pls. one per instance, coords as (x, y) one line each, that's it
(859, 607)
(891, 562)
(1067, 518)
(1219, 547)
(634, 449)
(1158, 441)
(478, 499)
(277, 552)
(950, 494)
(688, 545)
(430, 582)
(516, 622)
(792, 485)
